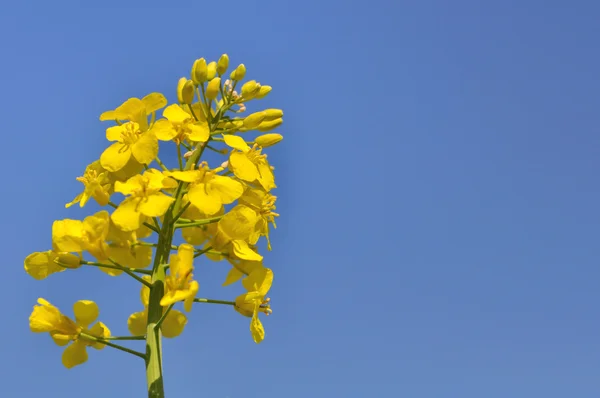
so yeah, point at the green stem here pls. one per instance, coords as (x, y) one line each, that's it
(100, 265)
(201, 252)
(210, 301)
(125, 338)
(89, 337)
(188, 223)
(130, 273)
(179, 157)
(164, 315)
(161, 164)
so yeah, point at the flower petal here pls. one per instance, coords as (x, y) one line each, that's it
(236, 142)
(207, 202)
(153, 102)
(164, 131)
(136, 323)
(199, 132)
(242, 167)
(155, 205)
(126, 216)
(173, 324)
(102, 331)
(175, 114)
(228, 189)
(115, 157)
(86, 312)
(74, 355)
(145, 149)
(242, 251)
(40, 265)
(256, 328)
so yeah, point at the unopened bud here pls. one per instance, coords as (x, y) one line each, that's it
(264, 90)
(212, 89)
(267, 140)
(239, 73)
(199, 71)
(250, 89)
(225, 164)
(269, 124)
(223, 64)
(185, 91)
(271, 114)
(253, 120)
(188, 154)
(211, 70)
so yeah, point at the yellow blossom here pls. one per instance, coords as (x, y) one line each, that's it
(89, 235)
(144, 199)
(40, 265)
(263, 203)
(97, 185)
(137, 110)
(249, 164)
(130, 141)
(172, 325)
(125, 249)
(209, 191)
(179, 282)
(46, 318)
(249, 304)
(236, 231)
(179, 125)
(239, 269)
(198, 235)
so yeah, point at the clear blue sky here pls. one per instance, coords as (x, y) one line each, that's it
(438, 191)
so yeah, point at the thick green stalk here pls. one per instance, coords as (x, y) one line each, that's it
(154, 375)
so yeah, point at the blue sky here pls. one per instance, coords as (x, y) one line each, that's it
(437, 182)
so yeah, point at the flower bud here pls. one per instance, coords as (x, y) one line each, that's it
(271, 114)
(212, 89)
(249, 89)
(211, 70)
(264, 90)
(223, 64)
(253, 120)
(239, 73)
(267, 140)
(267, 125)
(185, 91)
(199, 71)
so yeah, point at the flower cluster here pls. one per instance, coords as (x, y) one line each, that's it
(220, 212)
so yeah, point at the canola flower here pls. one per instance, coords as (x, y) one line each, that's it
(222, 212)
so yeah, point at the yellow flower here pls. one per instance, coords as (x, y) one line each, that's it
(40, 265)
(130, 141)
(172, 325)
(76, 236)
(208, 190)
(136, 110)
(263, 203)
(47, 318)
(196, 236)
(239, 269)
(97, 185)
(133, 139)
(144, 199)
(179, 282)
(125, 250)
(250, 304)
(180, 125)
(249, 164)
(236, 231)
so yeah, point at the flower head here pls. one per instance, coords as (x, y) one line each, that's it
(250, 304)
(144, 199)
(172, 325)
(180, 285)
(248, 163)
(47, 318)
